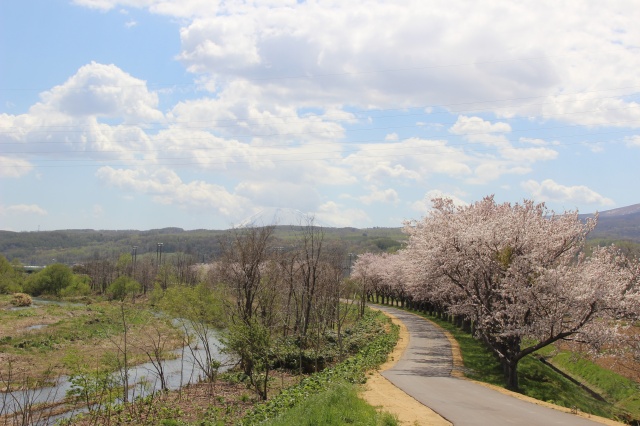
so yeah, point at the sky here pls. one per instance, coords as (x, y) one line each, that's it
(205, 114)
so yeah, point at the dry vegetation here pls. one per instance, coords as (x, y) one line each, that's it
(36, 342)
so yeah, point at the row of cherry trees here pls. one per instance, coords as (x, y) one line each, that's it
(516, 272)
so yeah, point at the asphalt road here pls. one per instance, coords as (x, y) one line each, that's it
(424, 372)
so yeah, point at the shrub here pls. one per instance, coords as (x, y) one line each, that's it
(123, 287)
(10, 278)
(78, 287)
(21, 299)
(51, 280)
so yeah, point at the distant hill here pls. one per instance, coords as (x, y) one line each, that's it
(619, 224)
(78, 245)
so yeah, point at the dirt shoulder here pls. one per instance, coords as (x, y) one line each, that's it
(381, 393)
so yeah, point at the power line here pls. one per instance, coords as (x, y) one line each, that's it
(361, 113)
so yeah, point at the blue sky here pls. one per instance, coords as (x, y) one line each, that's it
(141, 114)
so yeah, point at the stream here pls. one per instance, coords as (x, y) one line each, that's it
(144, 380)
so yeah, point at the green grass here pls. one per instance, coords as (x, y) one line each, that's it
(338, 405)
(622, 392)
(543, 383)
(76, 323)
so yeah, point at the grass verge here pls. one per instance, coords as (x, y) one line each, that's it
(337, 405)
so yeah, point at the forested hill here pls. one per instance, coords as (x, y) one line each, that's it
(621, 226)
(78, 245)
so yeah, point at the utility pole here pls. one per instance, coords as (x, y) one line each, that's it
(159, 253)
(134, 256)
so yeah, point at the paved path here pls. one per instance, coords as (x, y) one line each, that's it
(424, 372)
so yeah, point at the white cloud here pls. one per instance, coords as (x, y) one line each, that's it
(279, 194)
(279, 80)
(14, 167)
(535, 141)
(633, 141)
(376, 195)
(492, 169)
(529, 155)
(319, 52)
(102, 91)
(412, 159)
(471, 126)
(23, 209)
(424, 205)
(334, 214)
(549, 190)
(167, 188)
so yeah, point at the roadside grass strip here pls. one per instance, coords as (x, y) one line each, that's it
(338, 405)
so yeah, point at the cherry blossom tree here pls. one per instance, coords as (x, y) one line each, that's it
(518, 273)
(365, 272)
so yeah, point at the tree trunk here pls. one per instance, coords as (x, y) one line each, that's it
(510, 370)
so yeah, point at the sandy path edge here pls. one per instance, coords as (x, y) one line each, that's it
(381, 393)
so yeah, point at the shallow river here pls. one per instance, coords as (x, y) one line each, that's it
(143, 379)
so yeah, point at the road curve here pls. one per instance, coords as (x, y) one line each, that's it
(424, 372)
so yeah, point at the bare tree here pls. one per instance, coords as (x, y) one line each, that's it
(240, 267)
(311, 241)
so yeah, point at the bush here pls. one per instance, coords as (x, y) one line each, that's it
(51, 280)
(10, 278)
(21, 299)
(123, 287)
(79, 287)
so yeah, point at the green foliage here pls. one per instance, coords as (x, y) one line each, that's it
(51, 280)
(387, 244)
(10, 279)
(338, 405)
(251, 342)
(200, 303)
(379, 344)
(628, 248)
(622, 392)
(78, 287)
(122, 287)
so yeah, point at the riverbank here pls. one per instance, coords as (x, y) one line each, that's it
(42, 342)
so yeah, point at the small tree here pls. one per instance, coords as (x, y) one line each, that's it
(252, 342)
